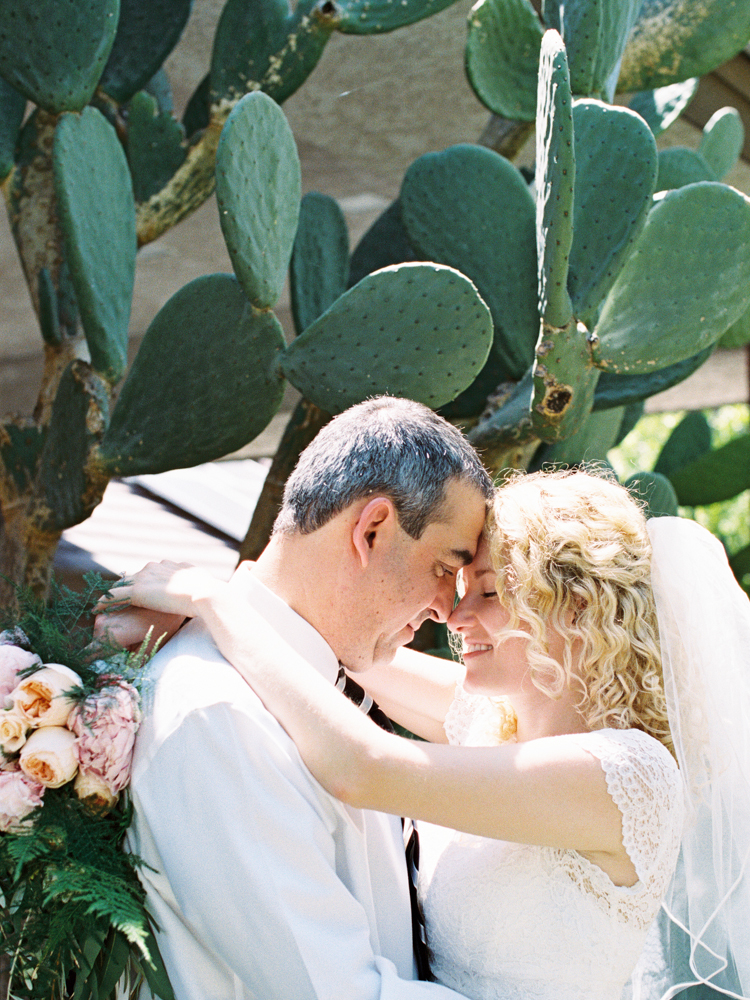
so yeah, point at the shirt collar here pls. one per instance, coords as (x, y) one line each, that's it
(296, 631)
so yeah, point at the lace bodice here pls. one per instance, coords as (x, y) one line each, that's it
(516, 922)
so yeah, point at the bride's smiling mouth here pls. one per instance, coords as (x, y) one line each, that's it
(472, 648)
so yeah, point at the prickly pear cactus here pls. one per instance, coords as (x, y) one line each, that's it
(100, 166)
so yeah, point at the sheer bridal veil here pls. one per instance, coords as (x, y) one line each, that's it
(703, 933)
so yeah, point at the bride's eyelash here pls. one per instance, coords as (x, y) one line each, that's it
(489, 593)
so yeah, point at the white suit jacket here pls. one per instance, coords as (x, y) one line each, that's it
(262, 884)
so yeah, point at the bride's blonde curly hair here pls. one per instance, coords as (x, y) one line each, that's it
(571, 551)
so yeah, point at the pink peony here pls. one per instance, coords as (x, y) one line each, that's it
(12, 660)
(19, 795)
(105, 724)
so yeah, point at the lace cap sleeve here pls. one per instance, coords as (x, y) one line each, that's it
(645, 784)
(478, 721)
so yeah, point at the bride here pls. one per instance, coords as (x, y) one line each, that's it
(598, 729)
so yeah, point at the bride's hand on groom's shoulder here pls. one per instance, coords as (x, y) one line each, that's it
(168, 587)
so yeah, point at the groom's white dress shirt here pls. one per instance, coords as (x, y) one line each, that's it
(262, 885)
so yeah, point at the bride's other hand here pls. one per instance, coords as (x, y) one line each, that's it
(128, 627)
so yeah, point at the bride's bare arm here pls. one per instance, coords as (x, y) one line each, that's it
(415, 690)
(547, 791)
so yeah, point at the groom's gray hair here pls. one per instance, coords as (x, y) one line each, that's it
(382, 447)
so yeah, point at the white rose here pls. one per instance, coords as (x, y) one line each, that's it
(40, 698)
(48, 756)
(13, 729)
(91, 788)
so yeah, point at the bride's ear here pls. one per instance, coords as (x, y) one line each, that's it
(374, 525)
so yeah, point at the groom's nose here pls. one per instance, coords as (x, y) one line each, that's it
(442, 604)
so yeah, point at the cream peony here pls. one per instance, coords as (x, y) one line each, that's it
(48, 756)
(12, 660)
(40, 698)
(19, 795)
(93, 790)
(13, 729)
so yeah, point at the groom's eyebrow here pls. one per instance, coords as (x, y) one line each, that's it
(462, 556)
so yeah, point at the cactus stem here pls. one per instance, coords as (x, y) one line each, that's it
(191, 184)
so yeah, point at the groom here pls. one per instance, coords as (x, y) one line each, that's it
(262, 885)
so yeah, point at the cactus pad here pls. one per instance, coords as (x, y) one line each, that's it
(690, 439)
(374, 17)
(685, 283)
(12, 107)
(555, 180)
(70, 474)
(204, 383)
(154, 146)
(615, 157)
(564, 381)
(146, 34)
(655, 491)
(384, 243)
(320, 259)
(679, 167)
(260, 46)
(54, 51)
(675, 39)
(21, 443)
(97, 217)
(622, 390)
(716, 475)
(660, 108)
(415, 330)
(502, 56)
(488, 235)
(723, 138)
(258, 195)
(738, 333)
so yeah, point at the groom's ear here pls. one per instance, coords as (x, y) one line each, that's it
(375, 523)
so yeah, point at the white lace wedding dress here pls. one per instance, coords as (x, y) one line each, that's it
(516, 922)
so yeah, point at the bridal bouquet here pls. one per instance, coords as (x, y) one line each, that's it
(72, 914)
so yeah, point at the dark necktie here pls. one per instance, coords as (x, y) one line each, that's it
(355, 693)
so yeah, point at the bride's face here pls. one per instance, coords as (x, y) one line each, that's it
(493, 667)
